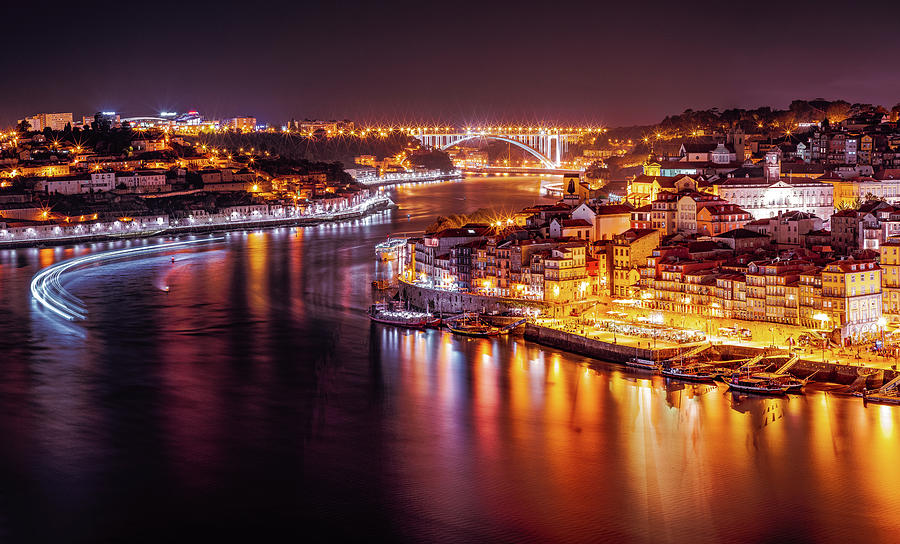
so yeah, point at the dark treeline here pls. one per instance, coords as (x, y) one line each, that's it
(341, 149)
(104, 141)
(750, 120)
(279, 166)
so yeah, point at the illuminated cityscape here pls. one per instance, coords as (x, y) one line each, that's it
(394, 272)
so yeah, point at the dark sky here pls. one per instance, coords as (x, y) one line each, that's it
(627, 62)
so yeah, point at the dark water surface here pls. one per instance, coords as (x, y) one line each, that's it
(254, 400)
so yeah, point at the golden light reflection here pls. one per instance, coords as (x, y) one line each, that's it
(257, 277)
(47, 257)
(886, 421)
(550, 431)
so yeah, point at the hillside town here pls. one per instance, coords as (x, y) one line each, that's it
(108, 176)
(794, 236)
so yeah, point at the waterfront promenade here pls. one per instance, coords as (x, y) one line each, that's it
(622, 348)
(118, 230)
(407, 177)
(588, 333)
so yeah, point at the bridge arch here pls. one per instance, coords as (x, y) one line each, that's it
(539, 156)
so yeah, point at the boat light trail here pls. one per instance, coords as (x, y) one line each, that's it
(47, 288)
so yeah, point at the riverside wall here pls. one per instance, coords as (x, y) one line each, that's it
(302, 221)
(840, 373)
(837, 373)
(597, 349)
(440, 300)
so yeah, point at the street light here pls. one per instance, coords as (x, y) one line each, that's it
(823, 317)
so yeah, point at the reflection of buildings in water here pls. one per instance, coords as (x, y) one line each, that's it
(679, 390)
(675, 390)
(763, 410)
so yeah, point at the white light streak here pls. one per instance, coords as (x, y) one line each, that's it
(47, 288)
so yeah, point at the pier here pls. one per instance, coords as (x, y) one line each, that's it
(624, 348)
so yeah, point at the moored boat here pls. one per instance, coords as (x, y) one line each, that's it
(793, 384)
(474, 327)
(753, 383)
(788, 382)
(881, 398)
(697, 372)
(389, 315)
(389, 249)
(646, 364)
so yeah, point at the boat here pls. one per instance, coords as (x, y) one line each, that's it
(390, 314)
(754, 383)
(881, 398)
(793, 384)
(790, 383)
(696, 372)
(646, 364)
(474, 327)
(390, 248)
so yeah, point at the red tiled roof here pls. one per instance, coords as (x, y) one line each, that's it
(847, 265)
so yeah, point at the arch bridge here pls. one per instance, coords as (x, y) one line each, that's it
(545, 144)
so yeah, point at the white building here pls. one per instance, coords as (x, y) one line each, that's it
(53, 121)
(144, 145)
(764, 198)
(149, 178)
(773, 194)
(94, 182)
(606, 220)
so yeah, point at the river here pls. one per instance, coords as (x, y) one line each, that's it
(254, 400)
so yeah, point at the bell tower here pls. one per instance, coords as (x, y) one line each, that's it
(737, 139)
(773, 166)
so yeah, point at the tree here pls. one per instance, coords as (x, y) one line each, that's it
(102, 122)
(432, 160)
(23, 126)
(837, 111)
(597, 170)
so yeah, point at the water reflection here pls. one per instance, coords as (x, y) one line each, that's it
(255, 396)
(543, 438)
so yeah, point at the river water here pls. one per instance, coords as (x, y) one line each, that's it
(255, 400)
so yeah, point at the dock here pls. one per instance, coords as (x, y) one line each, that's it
(741, 356)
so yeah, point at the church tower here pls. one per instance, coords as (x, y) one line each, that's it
(738, 142)
(772, 167)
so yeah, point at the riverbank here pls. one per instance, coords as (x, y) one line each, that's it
(432, 299)
(376, 204)
(409, 178)
(823, 372)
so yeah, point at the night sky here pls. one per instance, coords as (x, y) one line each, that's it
(625, 63)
